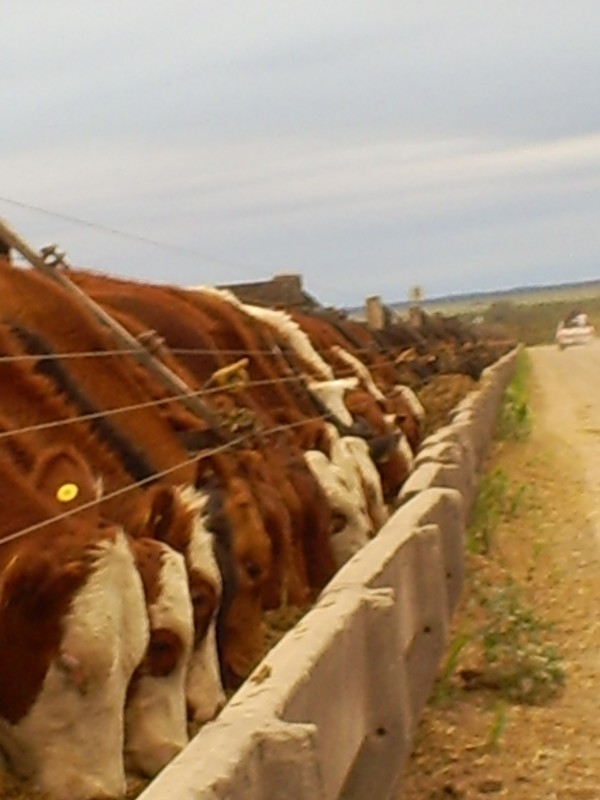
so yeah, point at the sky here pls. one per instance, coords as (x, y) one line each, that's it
(369, 145)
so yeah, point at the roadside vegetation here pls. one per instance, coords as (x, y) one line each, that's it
(504, 646)
(536, 324)
(530, 318)
(513, 713)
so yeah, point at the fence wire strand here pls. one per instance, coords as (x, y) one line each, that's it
(233, 443)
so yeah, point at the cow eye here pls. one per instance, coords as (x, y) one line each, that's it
(198, 600)
(253, 571)
(164, 652)
(338, 522)
(159, 647)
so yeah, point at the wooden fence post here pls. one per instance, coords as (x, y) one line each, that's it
(47, 262)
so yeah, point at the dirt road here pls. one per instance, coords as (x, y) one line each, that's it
(568, 386)
(476, 744)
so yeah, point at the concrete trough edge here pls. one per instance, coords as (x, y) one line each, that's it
(331, 711)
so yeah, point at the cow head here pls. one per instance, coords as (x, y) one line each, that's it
(286, 581)
(242, 631)
(356, 456)
(409, 414)
(73, 629)
(178, 517)
(156, 712)
(352, 526)
(331, 394)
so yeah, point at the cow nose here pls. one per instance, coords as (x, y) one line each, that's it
(231, 679)
(192, 711)
(220, 706)
(152, 759)
(105, 796)
(163, 752)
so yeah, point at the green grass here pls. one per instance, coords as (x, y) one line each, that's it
(516, 660)
(514, 419)
(443, 687)
(498, 724)
(497, 500)
(535, 323)
(525, 667)
(535, 311)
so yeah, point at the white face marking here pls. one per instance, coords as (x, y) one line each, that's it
(332, 433)
(331, 394)
(223, 294)
(173, 608)
(294, 336)
(156, 716)
(361, 371)
(287, 328)
(201, 551)
(204, 689)
(71, 740)
(339, 486)
(412, 400)
(406, 452)
(353, 453)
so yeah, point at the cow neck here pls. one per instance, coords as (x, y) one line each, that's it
(132, 459)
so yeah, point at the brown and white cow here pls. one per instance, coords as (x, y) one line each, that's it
(234, 325)
(198, 327)
(156, 713)
(168, 513)
(112, 382)
(73, 629)
(326, 391)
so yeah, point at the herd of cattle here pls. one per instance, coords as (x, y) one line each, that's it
(142, 543)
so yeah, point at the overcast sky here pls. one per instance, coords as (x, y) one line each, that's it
(369, 145)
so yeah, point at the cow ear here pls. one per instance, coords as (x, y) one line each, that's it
(161, 514)
(361, 428)
(62, 475)
(35, 585)
(196, 439)
(382, 447)
(204, 471)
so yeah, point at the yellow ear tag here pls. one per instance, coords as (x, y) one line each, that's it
(67, 492)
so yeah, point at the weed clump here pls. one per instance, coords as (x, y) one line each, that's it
(497, 501)
(521, 664)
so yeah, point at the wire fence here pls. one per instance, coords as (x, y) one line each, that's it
(158, 475)
(276, 351)
(134, 237)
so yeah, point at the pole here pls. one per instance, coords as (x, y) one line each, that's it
(47, 263)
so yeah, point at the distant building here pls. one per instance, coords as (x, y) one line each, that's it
(281, 291)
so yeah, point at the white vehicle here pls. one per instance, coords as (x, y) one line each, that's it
(575, 330)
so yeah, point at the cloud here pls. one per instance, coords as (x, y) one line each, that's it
(460, 141)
